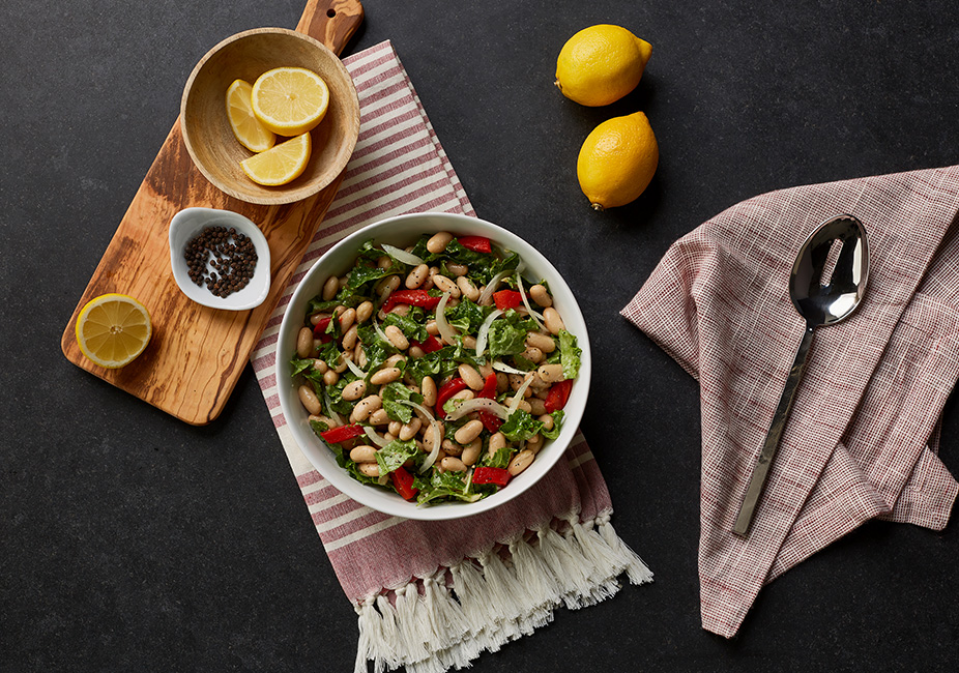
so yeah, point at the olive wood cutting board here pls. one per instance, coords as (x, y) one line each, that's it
(197, 354)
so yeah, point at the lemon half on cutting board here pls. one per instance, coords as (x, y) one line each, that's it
(113, 329)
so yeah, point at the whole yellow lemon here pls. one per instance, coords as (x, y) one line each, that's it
(601, 64)
(617, 161)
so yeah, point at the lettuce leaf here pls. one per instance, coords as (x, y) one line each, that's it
(507, 336)
(569, 354)
(391, 393)
(413, 330)
(520, 426)
(394, 454)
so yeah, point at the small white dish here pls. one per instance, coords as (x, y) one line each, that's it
(186, 225)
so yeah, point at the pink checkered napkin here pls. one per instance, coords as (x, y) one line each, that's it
(862, 438)
(434, 595)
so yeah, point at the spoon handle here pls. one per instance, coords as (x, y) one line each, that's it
(758, 479)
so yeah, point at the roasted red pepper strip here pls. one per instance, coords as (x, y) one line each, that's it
(491, 475)
(319, 330)
(558, 395)
(490, 421)
(446, 391)
(342, 433)
(403, 483)
(489, 387)
(411, 297)
(476, 243)
(431, 344)
(507, 299)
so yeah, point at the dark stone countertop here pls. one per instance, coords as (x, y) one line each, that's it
(131, 541)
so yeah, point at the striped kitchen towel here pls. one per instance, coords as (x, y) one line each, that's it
(434, 595)
(862, 439)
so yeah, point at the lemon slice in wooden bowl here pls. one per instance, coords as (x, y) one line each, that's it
(249, 130)
(290, 101)
(281, 164)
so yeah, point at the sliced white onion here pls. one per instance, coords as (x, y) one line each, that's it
(446, 330)
(329, 407)
(437, 436)
(522, 293)
(483, 335)
(517, 398)
(506, 369)
(478, 404)
(402, 255)
(375, 438)
(355, 368)
(380, 333)
(491, 287)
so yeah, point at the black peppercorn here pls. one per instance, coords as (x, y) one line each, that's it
(231, 254)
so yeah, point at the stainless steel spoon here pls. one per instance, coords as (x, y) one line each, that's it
(826, 285)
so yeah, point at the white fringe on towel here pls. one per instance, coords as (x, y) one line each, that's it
(431, 627)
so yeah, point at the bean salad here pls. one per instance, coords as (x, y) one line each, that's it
(436, 371)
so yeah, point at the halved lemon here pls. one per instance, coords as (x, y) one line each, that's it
(290, 101)
(280, 164)
(113, 329)
(249, 130)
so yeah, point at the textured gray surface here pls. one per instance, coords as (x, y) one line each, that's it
(131, 541)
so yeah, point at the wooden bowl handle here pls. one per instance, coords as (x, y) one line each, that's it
(332, 22)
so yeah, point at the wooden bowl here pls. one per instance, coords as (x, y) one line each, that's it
(206, 129)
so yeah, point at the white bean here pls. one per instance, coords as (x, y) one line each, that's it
(417, 276)
(309, 399)
(472, 377)
(428, 388)
(354, 390)
(363, 454)
(396, 337)
(470, 431)
(444, 284)
(521, 461)
(467, 288)
(330, 288)
(384, 376)
(438, 242)
(553, 322)
(364, 311)
(304, 342)
(541, 296)
(452, 464)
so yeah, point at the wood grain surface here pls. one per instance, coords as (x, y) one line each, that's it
(197, 354)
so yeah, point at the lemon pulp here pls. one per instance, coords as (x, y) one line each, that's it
(113, 329)
(290, 101)
(249, 131)
(280, 164)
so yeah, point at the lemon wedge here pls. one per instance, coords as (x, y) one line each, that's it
(280, 164)
(113, 329)
(290, 101)
(249, 130)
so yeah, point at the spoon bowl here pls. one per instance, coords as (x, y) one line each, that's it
(830, 274)
(826, 285)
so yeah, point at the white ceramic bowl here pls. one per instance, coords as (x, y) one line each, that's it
(402, 231)
(189, 222)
